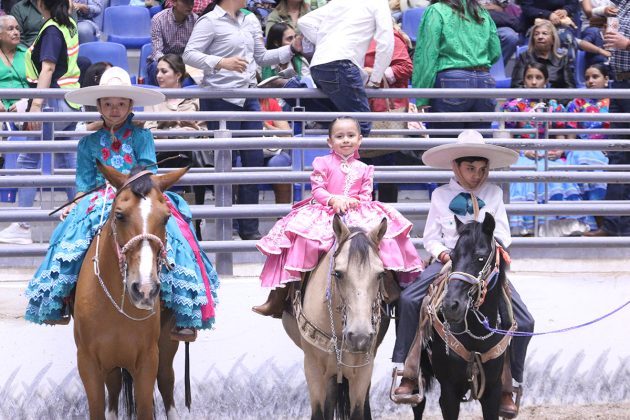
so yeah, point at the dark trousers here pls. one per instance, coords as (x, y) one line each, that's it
(618, 225)
(247, 194)
(409, 318)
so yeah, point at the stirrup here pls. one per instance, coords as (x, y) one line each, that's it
(176, 335)
(412, 399)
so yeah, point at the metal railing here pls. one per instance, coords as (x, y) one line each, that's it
(223, 176)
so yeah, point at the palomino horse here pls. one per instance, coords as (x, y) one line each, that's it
(464, 356)
(117, 319)
(338, 323)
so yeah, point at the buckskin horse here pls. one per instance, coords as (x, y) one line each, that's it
(117, 319)
(338, 323)
(467, 360)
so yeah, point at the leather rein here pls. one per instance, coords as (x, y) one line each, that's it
(432, 305)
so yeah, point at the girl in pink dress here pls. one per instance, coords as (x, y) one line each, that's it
(340, 184)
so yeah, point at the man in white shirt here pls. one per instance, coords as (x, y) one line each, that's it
(469, 197)
(341, 32)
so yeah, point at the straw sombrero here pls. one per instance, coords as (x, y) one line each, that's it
(115, 83)
(469, 143)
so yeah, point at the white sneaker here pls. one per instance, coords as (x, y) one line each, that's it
(16, 234)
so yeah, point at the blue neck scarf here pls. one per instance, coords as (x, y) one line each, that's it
(462, 204)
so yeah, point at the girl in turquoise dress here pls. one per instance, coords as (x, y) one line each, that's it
(189, 287)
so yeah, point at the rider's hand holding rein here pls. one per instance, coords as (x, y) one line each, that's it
(343, 204)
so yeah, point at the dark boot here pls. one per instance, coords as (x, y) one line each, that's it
(282, 193)
(274, 306)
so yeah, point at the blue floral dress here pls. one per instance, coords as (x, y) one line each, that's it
(189, 288)
(521, 191)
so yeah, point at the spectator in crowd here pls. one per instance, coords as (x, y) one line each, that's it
(619, 43)
(7, 5)
(398, 7)
(277, 158)
(227, 44)
(593, 25)
(170, 31)
(536, 77)
(12, 65)
(397, 75)
(563, 14)
(544, 48)
(508, 26)
(198, 7)
(86, 11)
(51, 63)
(315, 4)
(458, 44)
(341, 33)
(30, 20)
(596, 77)
(280, 35)
(287, 11)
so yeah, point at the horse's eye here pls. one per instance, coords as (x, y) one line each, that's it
(480, 259)
(338, 274)
(120, 216)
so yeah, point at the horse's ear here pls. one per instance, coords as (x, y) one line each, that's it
(458, 223)
(379, 231)
(117, 179)
(488, 224)
(340, 229)
(164, 182)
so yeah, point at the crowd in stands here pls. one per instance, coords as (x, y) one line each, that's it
(342, 48)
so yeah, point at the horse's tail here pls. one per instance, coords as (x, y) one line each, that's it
(342, 410)
(127, 381)
(187, 393)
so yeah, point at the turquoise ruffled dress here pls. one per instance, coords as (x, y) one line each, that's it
(189, 288)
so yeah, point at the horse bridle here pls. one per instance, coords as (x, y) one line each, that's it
(481, 281)
(121, 252)
(376, 310)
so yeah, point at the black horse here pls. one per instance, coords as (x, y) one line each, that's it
(471, 364)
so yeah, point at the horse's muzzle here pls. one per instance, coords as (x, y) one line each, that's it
(359, 342)
(143, 295)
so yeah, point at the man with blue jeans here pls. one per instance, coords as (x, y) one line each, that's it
(341, 32)
(20, 233)
(619, 44)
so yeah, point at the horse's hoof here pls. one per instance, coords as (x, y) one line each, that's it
(184, 334)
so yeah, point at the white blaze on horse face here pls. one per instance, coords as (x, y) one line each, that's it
(146, 252)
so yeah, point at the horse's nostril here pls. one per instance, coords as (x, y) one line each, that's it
(135, 289)
(154, 291)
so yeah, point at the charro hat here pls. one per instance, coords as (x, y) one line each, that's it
(115, 83)
(469, 143)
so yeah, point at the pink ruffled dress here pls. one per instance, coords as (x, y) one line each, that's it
(297, 241)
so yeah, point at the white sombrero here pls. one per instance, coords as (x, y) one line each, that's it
(115, 83)
(469, 143)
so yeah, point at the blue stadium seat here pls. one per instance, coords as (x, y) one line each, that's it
(105, 51)
(145, 51)
(411, 19)
(119, 3)
(521, 50)
(580, 68)
(128, 25)
(498, 72)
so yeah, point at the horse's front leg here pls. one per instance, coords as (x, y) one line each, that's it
(449, 402)
(144, 381)
(359, 392)
(113, 381)
(166, 375)
(94, 384)
(490, 401)
(322, 408)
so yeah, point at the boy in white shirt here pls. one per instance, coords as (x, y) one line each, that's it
(470, 159)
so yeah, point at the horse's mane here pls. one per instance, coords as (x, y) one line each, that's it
(359, 245)
(143, 185)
